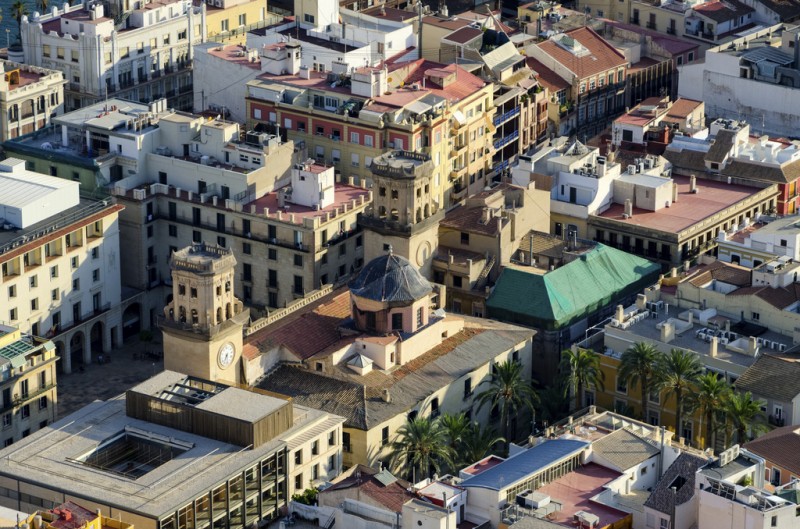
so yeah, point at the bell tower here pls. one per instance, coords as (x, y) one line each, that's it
(405, 214)
(203, 323)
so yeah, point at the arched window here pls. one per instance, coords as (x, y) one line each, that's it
(219, 314)
(195, 319)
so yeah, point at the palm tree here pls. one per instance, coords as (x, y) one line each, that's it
(580, 368)
(553, 405)
(710, 397)
(509, 393)
(19, 9)
(744, 415)
(455, 426)
(639, 366)
(477, 443)
(679, 371)
(421, 443)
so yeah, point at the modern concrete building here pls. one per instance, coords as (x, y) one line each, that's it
(138, 51)
(61, 263)
(29, 98)
(27, 382)
(379, 354)
(176, 451)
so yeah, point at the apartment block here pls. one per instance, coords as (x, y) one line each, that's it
(229, 20)
(29, 98)
(61, 263)
(27, 382)
(140, 52)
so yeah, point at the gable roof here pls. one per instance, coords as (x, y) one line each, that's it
(525, 464)
(686, 161)
(382, 487)
(547, 77)
(780, 447)
(601, 55)
(771, 377)
(722, 11)
(721, 271)
(787, 10)
(685, 467)
(624, 449)
(549, 301)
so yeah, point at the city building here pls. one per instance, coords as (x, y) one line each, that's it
(229, 20)
(176, 450)
(29, 98)
(443, 28)
(772, 380)
(480, 237)
(730, 154)
(140, 52)
(779, 449)
(652, 124)
(712, 21)
(439, 111)
(70, 515)
(379, 354)
(596, 74)
(675, 494)
(766, 239)
(751, 77)
(562, 304)
(61, 263)
(27, 382)
(651, 45)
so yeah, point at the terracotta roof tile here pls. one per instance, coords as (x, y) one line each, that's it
(722, 11)
(392, 496)
(469, 219)
(771, 377)
(725, 272)
(601, 57)
(682, 107)
(464, 35)
(547, 77)
(781, 447)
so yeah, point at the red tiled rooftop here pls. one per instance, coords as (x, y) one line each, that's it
(712, 197)
(464, 35)
(602, 56)
(390, 13)
(575, 490)
(25, 78)
(343, 196)
(682, 107)
(231, 54)
(547, 77)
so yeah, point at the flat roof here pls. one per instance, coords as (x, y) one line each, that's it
(343, 194)
(104, 114)
(525, 464)
(574, 491)
(21, 186)
(49, 458)
(690, 209)
(242, 404)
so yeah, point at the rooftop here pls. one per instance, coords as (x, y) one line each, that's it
(772, 377)
(575, 490)
(343, 199)
(382, 487)
(27, 75)
(780, 447)
(690, 209)
(599, 57)
(722, 11)
(681, 475)
(624, 449)
(526, 463)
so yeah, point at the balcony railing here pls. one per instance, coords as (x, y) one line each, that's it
(505, 117)
(502, 142)
(776, 421)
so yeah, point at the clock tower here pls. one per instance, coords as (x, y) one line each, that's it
(203, 323)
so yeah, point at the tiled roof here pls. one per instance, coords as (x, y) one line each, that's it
(672, 45)
(464, 35)
(470, 220)
(722, 11)
(601, 57)
(360, 398)
(771, 377)
(463, 85)
(721, 147)
(778, 297)
(721, 271)
(624, 449)
(686, 161)
(363, 478)
(780, 447)
(685, 467)
(547, 77)
(319, 323)
(682, 107)
(787, 10)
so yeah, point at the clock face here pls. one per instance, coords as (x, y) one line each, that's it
(225, 356)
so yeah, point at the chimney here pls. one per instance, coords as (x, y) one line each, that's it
(641, 301)
(620, 314)
(712, 352)
(628, 212)
(752, 346)
(693, 184)
(667, 332)
(674, 192)
(485, 216)
(691, 317)
(728, 325)
(386, 396)
(673, 272)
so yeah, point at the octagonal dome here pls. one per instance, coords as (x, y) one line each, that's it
(390, 279)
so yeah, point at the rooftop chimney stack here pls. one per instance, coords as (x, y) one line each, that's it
(628, 212)
(693, 184)
(674, 192)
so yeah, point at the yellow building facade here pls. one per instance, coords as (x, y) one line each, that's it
(229, 20)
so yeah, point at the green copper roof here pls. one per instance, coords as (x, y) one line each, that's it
(567, 294)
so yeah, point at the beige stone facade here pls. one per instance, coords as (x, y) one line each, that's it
(29, 96)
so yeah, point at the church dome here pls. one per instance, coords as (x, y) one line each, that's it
(390, 279)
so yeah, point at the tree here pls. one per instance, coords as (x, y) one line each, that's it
(710, 397)
(679, 371)
(19, 9)
(553, 405)
(455, 426)
(42, 5)
(639, 366)
(477, 443)
(421, 443)
(580, 368)
(743, 415)
(509, 393)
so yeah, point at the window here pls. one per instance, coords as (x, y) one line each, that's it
(464, 238)
(26, 411)
(385, 436)
(193, 292)
(622, 385)
(298, 285)
(54, 294)
(221, 241)
(419, 317)
(6, 420)
(34, 282)
(756, 316)
(76, 284)
(43, 402)
(332, 438)
(60, 53)
(308, 18)
(298, 482)
(663, 523)
(74, 262)
(243, 19)
(35, 304)
(246, 248)
(223, 26)
(298, 260)
(96, 275)
(272, 254)
(12, 291)
(272, 278)
(458, 281)
(467, 388)
(315, 471)
(173, 230)
(298, 457)
(397, 321)
(368, 141)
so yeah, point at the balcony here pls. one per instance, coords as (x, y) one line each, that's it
(777, 421)
(502, 142)
(186, 88)
(505, 117)
(651, 25)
